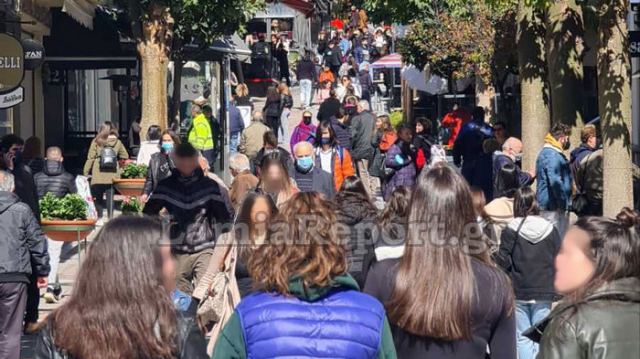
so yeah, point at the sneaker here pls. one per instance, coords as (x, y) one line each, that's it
(50, 296)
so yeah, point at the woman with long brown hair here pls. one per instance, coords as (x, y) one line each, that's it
(120, 307)
(598, 271)
(393, 225)
(306, 305)
(445, 297)
(275, 180)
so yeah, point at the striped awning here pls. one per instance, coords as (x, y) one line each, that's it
(392, 61)
(82, 11)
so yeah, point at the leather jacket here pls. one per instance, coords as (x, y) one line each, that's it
(192, 344)
(604, 325)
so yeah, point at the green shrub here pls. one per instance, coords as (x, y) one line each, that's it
(68, 208)
(133, 170)
(131, 205)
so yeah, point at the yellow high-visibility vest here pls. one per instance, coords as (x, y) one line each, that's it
(201, 135)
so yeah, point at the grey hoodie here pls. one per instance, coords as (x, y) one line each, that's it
(534, 229)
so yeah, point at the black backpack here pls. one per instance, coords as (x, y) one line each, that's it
(108, 159)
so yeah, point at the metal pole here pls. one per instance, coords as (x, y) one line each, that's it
(635, 83)
(226, 90)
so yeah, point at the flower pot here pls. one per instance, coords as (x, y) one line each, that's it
(68, 231)
(132, 187)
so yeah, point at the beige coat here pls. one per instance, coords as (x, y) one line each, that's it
(92, 166)
(500, 212)
(224, 257)
(251, 140)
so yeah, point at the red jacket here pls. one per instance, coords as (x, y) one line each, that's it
(454, 120)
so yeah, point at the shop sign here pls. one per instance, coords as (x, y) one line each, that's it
(33, 54)
(11, 63)
(12, 98)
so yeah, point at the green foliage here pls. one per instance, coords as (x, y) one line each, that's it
(131, 205)
(395, 118)
(68, 208)
(133, 170)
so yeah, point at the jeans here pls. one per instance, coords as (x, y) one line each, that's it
(528, 314)
(234, 141)
(283, 132)
(306, 91)
(56, 248)
(13, 300)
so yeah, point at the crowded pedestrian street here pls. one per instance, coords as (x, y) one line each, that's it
(355, 179)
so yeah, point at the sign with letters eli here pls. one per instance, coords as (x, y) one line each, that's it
(634, 43)
(11, 63)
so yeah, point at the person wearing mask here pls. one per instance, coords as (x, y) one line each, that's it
(161, 165)
(510, 155)
(24, 258)
(298, 281)
(333, 58)
(468, 152)
(383, 138)
(329, 108)
(340, 126)
(286, 104)
(272, 109)
(528, 248)
(251, 140)
(344, 89)
(357, 215)
(554, 177)
(362, 129)
(56, 180)
(334, 159)
(236, 126)
(149, 147)
(305, 131)
(270, 145)
(306, 74)
(597, 271)
(199, 211)
(500, 132)
(393, 225)
(366, 84)
(499, 212)
(275, 180)
(400, 160)
(243, 179)
(307, 173)
(465, 308)
(422, 141)
(141, 318)
(200, 134)
(32, 154)
(586, 169)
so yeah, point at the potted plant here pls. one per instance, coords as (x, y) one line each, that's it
(65, 219)
(131, 181)
(131, 206)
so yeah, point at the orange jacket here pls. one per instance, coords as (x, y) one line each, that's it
(454, 120)
(342, 169)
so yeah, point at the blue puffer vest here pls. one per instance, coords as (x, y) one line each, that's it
(343, 324)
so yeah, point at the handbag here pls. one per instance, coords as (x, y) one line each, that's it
(580, 201)
(216, 291)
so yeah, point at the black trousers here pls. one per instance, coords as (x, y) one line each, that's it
(274, 124)
(13, 299)
(33, 300)
(98, 191)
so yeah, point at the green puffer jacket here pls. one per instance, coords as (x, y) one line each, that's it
(92, 166)
(605, 325)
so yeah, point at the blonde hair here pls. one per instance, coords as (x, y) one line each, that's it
(284, 89)
(242, 90)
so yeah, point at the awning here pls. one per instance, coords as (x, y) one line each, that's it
(285, 9)
(228, 44)
(393, 61)
(82, 11)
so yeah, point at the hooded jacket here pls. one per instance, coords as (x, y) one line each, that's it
(528, 248)
(357, 218)
(405, 174)
(553, 177)
(604, 325)
(303, 132)
(26, 189)
(336, 321)
(23, 247)
(55, 180)
(200, 210)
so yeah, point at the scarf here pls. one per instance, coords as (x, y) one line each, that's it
(551, 141)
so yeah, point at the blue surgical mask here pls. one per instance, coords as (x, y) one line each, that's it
(305, 163)
(167, 147)
(325, 141)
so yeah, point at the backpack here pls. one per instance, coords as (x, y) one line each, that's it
(438, 154)
(108, 159)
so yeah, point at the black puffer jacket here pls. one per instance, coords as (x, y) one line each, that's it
(199, 209)
(26, 187)
(528, 248)
(357, 217)
(55, 180)
(23, 247)
(191, 342)
(159, 168)
(604, 325)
